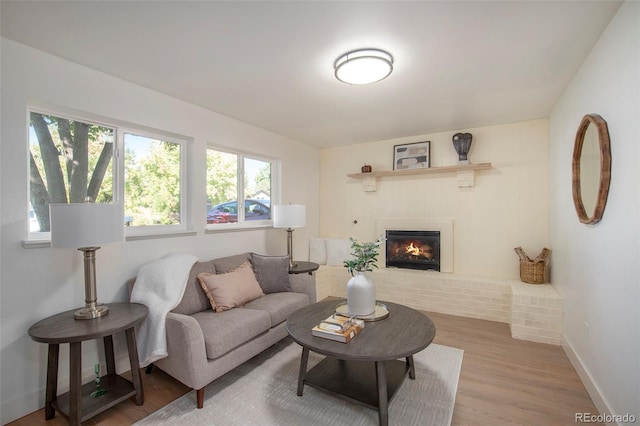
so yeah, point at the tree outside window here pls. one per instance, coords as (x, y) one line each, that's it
(73, 161)
(151, 181)
(70, 162)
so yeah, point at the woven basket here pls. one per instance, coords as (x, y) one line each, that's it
(534, 271)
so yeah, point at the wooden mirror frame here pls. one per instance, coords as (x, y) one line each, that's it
(605, 168)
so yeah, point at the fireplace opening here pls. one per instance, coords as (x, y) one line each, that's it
(413, 250)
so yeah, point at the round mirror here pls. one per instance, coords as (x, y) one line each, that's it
(591, 168)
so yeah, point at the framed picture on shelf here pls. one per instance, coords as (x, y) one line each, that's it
(411, 156)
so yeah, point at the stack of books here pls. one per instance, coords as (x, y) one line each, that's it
(338, 327)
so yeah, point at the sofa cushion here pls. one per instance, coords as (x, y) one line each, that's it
(278, 305)
(272, 272)
(224, 331)
(194, 299)
(235, 288)
(229, 263)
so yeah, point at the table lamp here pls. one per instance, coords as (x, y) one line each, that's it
(86, 227)
(289, 216)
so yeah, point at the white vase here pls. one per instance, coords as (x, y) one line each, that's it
(361, 295)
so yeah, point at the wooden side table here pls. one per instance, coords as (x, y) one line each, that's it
(302, 267)
(77, 405)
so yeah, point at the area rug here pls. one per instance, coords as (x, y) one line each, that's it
(262, 391)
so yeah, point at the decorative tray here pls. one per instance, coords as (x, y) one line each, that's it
(380, 313)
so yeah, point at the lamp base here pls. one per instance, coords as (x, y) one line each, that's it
(292, 264)
(91, 312)
(91, 308)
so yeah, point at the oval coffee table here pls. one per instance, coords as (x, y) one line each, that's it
(367, 370)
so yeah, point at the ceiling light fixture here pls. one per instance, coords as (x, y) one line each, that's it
(363, 66)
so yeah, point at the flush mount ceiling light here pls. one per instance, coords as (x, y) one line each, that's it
(363, 66)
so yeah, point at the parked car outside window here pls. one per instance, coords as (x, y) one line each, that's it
(228, 212)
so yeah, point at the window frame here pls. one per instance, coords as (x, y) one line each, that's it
(242, 223)
(43, 236)
(36, 239)
(144, 230)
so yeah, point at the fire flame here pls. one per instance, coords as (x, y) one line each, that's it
(415, 250)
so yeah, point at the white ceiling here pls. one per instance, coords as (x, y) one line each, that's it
(457, 64)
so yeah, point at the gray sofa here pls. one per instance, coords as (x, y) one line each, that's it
(204, 344)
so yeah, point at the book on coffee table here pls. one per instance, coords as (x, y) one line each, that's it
(338, 322)
(339, 328)
(344, 336)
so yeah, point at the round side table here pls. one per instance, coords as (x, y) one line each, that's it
(77, 405)
(302, 267)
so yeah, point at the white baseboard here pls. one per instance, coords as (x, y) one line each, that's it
(16, 407)
(592, 389)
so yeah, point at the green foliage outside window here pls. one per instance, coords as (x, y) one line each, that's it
(152, 182)
(224, 185)
(222, 172)
(70, 162)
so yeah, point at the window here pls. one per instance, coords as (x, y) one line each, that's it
(75, 161)
(71, 161)
(232, 177)
(152, 181)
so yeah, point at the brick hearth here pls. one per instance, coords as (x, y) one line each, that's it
(534, 312)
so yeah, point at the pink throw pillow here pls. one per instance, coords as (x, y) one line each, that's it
(235, 288)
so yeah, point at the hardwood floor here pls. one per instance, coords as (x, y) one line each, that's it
(508, 381)
(503, 381)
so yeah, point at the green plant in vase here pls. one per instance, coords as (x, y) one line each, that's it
(364, 256)
(361, 292)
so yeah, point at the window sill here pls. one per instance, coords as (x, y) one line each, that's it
(31, 244)
(235, 228)
(44, 243)
(161, 234)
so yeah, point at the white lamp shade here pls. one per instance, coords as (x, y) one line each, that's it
(289, 216)
(86, 224)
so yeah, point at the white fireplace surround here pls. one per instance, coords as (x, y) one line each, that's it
(444, 226)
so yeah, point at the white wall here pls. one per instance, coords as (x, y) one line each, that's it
(597, 267)
(507, 208)
(36, 283)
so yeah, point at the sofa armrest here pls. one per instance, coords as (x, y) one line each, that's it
(304, 283)
(185, 345)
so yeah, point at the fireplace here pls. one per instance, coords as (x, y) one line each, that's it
(441, 225)
(413, 249)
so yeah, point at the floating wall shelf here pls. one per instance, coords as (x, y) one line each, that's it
(465, 174)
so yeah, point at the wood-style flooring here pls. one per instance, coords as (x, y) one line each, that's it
(503, 381)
